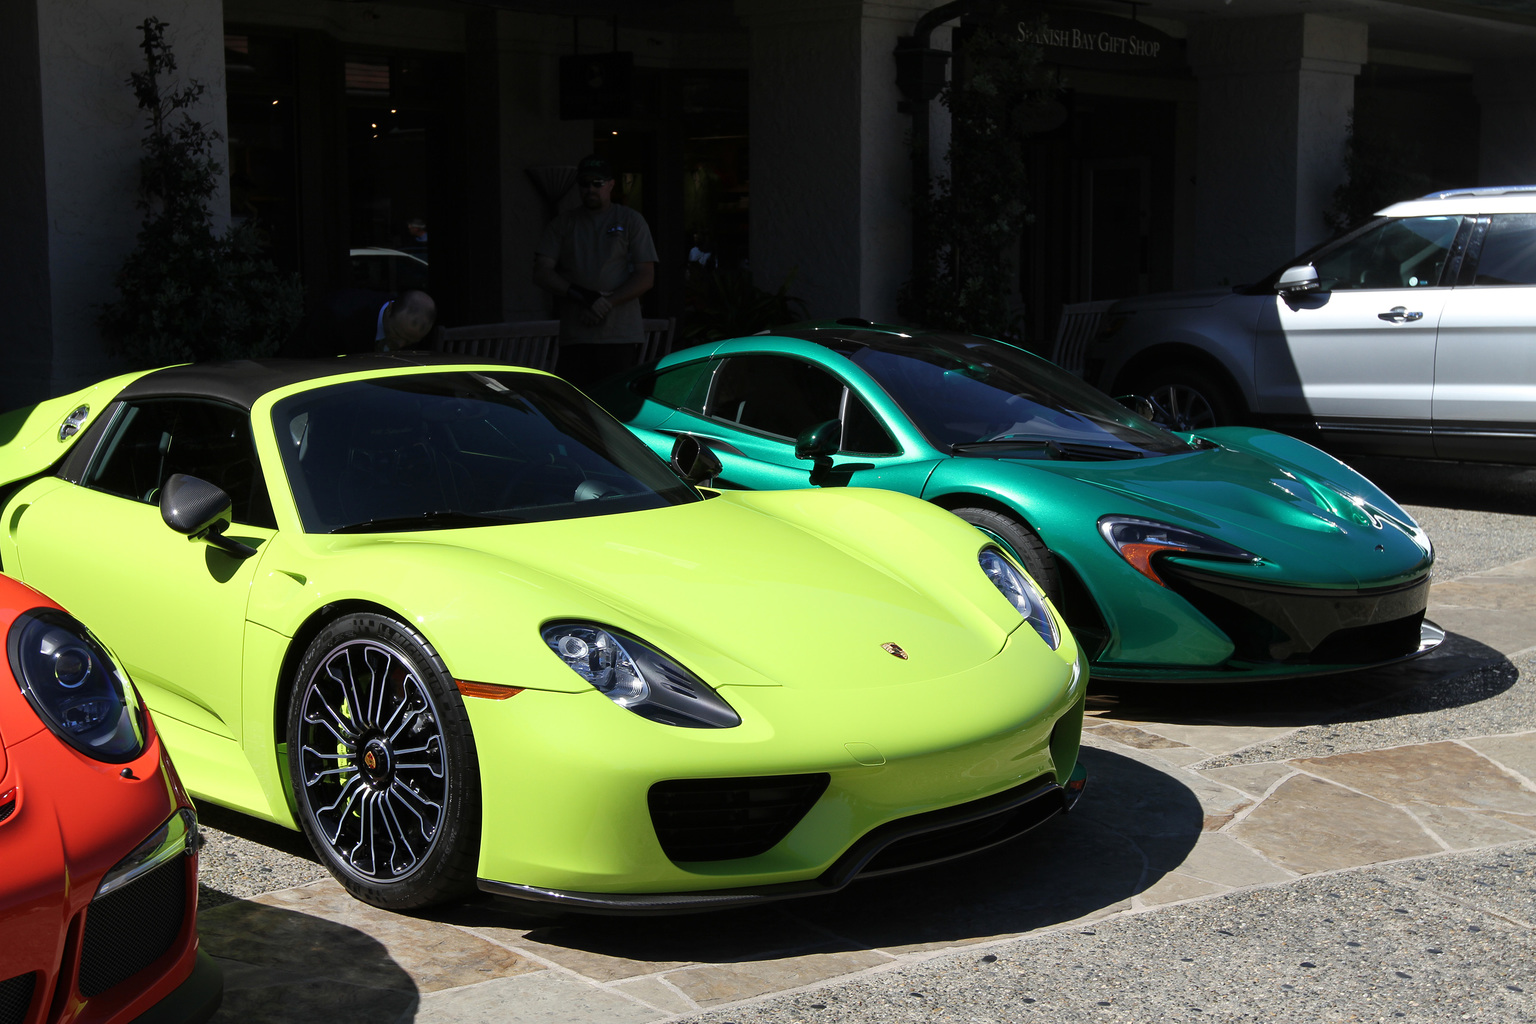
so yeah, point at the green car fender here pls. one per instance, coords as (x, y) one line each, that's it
(1054, 506)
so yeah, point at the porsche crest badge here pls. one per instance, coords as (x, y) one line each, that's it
(371, 761)
(894, 650)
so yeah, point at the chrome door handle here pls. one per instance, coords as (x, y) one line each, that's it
(1399, 315)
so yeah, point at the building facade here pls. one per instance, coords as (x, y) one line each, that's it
(1196, 141)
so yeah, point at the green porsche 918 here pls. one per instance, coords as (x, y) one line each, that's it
(456, 623)
(1226, 554)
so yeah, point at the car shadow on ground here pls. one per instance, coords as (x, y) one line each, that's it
(1132, 826)
(280, 965)
(1473, 486)
(1462, 671)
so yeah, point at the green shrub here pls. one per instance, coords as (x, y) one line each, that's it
(970, 222)
(187, 294)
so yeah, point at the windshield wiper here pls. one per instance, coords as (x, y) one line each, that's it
(1053, 449)
(443, 518)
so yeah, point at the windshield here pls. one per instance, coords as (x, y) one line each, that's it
(961, 390)
(443, 450)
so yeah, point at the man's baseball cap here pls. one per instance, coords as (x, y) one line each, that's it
(594, 167)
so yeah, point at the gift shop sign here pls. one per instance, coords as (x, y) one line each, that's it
(1085, 39)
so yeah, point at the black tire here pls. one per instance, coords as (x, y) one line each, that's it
(1188, 397)
(398, 834)
(1022, 542)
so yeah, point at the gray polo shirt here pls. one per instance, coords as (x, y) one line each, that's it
(598, 250)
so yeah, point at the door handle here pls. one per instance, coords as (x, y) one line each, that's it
(1399, 315)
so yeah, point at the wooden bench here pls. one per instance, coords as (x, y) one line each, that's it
(536, 343)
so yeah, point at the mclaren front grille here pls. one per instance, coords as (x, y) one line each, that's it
(16, 997)
(723, 819)
(130, 928)
(1306, 625)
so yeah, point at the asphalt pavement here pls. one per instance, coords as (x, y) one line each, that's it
(1354, 848)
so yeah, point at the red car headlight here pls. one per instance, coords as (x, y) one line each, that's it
(75, 687)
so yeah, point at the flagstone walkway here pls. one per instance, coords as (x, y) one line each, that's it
(1209, 792)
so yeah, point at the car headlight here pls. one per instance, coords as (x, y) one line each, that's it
(74, 686)
(1138, 541)
(1021, 593)
(635, 675)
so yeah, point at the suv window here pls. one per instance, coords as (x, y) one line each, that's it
(1407, 252)
(150, 440)
(1509, 250)
(774, 394)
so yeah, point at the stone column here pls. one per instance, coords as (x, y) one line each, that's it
(1508, 145)
(68, 185)
(830, 163)
(1275, 99)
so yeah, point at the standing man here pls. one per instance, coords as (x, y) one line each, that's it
(597, 260)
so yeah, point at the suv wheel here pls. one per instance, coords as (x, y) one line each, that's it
(1188, 398)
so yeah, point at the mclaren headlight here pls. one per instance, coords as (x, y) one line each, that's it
(637, 676)
(1139, 541)
(74, 686)
(1021, 593)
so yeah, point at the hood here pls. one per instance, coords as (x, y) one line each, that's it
(1323, 528)
(1172, 300)
(796, 588)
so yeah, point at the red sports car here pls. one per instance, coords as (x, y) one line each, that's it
(98, 840)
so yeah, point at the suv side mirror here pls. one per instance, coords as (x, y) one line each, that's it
(1300, 278)
(694, 460)
(1142, 406)
(200, 510)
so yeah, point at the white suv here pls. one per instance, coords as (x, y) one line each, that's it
(1413, 335)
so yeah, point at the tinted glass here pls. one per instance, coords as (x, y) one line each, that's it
(863, 433)
(961, 390)
(457, 449)
(1509, 250)
(148, 441)
(775, 394)
(682, 387)
(1406, 252)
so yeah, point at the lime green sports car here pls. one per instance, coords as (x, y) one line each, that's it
(461, 627)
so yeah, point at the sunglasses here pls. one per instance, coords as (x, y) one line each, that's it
(593, 183)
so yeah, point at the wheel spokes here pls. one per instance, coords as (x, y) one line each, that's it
(374, 771)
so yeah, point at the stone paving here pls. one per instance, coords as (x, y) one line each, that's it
(1190, 799)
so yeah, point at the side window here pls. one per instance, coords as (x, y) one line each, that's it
(1509, 250)
(1406, 252)
(681, 387)
(152, 439)
(774, 394)
(863, 433)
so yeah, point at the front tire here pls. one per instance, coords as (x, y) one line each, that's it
(383, 764)
(1022, 542)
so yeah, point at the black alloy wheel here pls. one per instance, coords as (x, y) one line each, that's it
(1188, 398)
(383, 764)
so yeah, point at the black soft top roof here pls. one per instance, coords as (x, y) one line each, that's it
(241, 382)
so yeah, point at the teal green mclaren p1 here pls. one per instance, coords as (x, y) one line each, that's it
(1225, 554)
(462, 628)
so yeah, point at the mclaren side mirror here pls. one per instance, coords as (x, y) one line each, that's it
(1300, 278)
(694, 460)
(821, 441)
(200, 510)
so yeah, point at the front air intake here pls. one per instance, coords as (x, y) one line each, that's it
(724, 819)
(130, 928)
